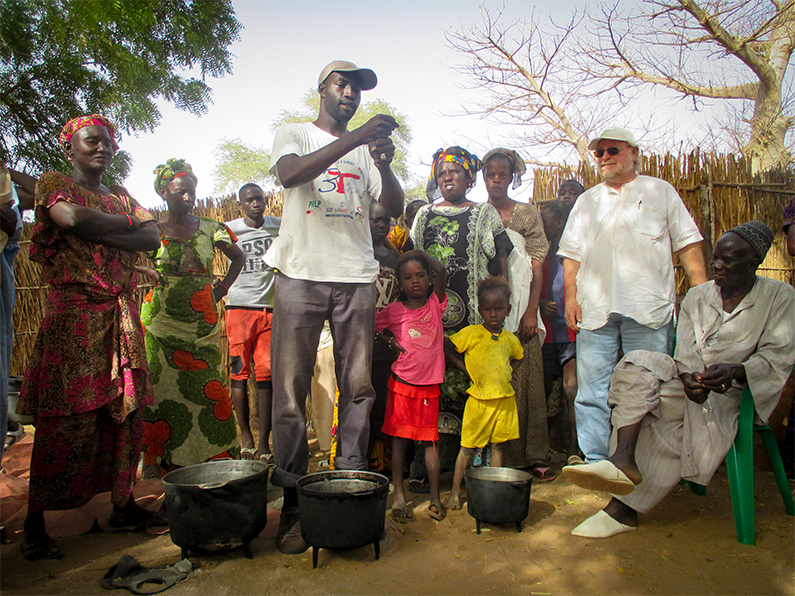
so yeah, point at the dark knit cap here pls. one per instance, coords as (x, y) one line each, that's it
(757, 234)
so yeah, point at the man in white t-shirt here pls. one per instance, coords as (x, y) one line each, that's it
(619, 277)
(326, 270)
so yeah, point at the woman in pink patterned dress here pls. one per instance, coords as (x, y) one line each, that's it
(87, 379)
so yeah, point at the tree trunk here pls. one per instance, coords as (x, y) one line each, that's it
(769, 125)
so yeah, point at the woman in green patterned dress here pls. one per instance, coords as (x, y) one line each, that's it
(192, 420)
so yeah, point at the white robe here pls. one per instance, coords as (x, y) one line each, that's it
(683, 439)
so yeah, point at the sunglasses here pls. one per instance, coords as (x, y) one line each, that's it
(610, 151)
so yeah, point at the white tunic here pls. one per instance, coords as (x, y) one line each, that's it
(683, 439)
(623, 240)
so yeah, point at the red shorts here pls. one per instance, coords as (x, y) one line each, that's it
(412, 411)
(249, 336)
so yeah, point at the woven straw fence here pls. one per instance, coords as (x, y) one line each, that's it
(719, 191)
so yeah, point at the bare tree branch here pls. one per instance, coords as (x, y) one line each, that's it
(693, 47)
(532, 76)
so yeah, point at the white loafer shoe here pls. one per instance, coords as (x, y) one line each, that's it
(601, 525)
(602, 475)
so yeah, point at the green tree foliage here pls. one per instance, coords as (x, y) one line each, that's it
(64, 58)
(401, 137)
(415, 191)
(237, 164)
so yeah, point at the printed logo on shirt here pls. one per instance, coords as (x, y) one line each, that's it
(422, 332)
(335, 181)
(337, 187)
(254, 250)
(314, 207)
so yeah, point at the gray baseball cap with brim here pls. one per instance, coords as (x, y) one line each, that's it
(613, 134)
(367, 76)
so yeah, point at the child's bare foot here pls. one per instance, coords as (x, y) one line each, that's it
(437, 511)
(454, 502)
(401, 512)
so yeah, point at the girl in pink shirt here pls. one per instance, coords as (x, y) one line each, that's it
(412, 409)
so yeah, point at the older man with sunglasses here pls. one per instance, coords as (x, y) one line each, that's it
(619, 277)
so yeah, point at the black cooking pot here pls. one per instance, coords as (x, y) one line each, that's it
(342, 509)
(498, 495)
(217, 505)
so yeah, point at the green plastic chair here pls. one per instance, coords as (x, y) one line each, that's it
(740, 465)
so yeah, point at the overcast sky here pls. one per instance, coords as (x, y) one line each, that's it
(282, 49)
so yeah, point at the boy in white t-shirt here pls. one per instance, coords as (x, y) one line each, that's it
(326, 270)
(249, 317)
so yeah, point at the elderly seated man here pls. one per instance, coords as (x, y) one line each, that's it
(677, 417)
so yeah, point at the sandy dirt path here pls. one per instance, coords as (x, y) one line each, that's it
(685, 546)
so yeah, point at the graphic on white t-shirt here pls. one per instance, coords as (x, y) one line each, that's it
(332, 185)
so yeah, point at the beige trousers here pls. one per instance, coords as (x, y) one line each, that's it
(323, 394)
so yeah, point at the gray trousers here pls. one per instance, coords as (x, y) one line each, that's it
(299, 309)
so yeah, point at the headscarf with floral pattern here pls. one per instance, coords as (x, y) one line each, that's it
(471, 164)
(173, 168)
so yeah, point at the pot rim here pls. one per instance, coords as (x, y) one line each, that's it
(214, 464)
(304, 484)
(482, 474)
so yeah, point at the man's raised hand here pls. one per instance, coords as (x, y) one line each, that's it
(382, 151)
(379, 126)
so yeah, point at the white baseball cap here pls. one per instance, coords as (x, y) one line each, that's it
(368, 78)
(613, 134)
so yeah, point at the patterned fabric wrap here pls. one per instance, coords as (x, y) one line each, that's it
(471, 164)
(89, 351)
(87, 378)
(757, 234)
(517, 163)
(78, 456)
(397, 238)
(173, 168)
(192, 419)
(532, 448)
(76, 124)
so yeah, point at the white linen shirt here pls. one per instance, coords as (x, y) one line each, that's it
(623, 240)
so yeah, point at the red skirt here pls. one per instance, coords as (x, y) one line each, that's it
(412, 411)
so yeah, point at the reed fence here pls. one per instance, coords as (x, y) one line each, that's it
(719, 191)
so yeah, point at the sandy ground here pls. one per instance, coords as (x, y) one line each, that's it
(687, 545)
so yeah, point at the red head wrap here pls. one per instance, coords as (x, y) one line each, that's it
(76, 124)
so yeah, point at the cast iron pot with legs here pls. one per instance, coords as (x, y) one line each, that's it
(342, 509)
(217, 505)
(498, 495)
